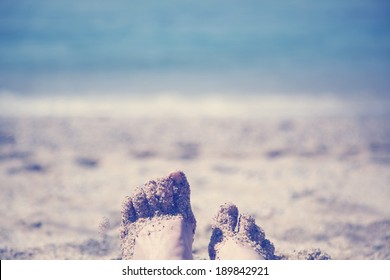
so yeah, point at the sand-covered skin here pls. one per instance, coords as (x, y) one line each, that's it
(236, 236)
(308, 182)
(157, 220)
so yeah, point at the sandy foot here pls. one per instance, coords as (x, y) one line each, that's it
(237, 237)
(157, 220)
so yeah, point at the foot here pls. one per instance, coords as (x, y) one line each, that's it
(157, 220)
(237, 237)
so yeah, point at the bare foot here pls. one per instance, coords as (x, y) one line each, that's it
(237, 237)
(157, 220)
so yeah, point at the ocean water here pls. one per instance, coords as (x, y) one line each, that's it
(195, 47)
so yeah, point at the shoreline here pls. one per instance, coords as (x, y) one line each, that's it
(172, 104)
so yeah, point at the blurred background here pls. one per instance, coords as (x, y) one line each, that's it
(135, 47)
(282, 107)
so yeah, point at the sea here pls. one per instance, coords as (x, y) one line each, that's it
(202, 47)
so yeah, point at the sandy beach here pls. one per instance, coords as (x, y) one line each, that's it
(310, 180)
(278, 110)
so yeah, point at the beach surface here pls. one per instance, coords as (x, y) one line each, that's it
(315, 178)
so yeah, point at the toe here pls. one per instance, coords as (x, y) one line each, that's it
(216, 237)
(181, 192)
(269, 248)
(164, 195)
(227, 216)
(128, 216)
(178, 177)
(150, 190)
(141, 204)
(128, 211)
(248, 228)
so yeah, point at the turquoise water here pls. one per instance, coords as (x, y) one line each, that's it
(195, 46)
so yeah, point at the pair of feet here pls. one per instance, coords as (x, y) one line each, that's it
(158, 223)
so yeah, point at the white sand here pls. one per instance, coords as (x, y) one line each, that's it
(312, 179)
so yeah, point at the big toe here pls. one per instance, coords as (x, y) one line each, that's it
(178, 177)
(181, 193)
(227, 217)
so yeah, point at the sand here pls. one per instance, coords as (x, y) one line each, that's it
(309, 181)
